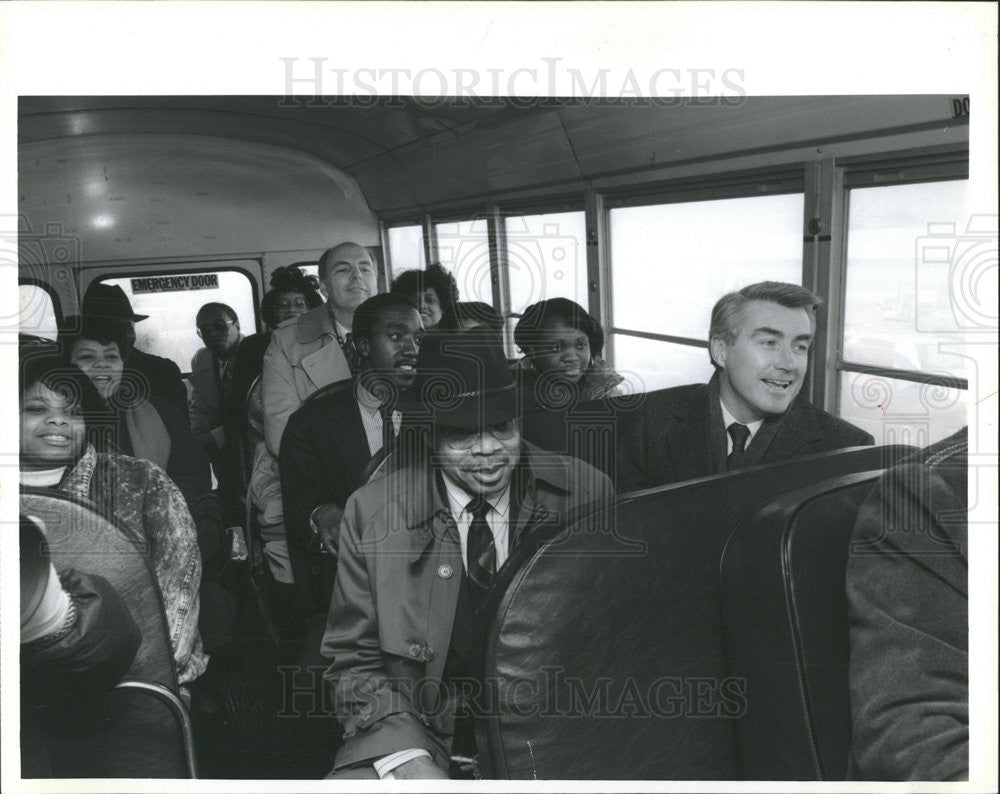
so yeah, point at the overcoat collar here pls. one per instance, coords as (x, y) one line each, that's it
(428, 516)
(314, 324)
(694, 435)
(76, 480)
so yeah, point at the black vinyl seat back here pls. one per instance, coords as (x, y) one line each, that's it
(143, 729)
(80, 537)
(605, 657)
(785, 611)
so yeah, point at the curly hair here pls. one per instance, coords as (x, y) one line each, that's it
(289, 279)
(435, 277)
(544, 314)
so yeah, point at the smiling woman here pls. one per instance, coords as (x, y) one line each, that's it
(145, 427)
(52, 428)
(62, 416)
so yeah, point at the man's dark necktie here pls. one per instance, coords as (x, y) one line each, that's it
(739, 433)
(482, 554)
(350, 353)
(388, 427)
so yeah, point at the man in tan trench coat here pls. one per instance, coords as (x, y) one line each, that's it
(419, 549)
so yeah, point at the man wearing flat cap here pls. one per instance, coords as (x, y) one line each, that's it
(420, 547)
(163, 376)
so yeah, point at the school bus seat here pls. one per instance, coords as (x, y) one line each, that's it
(785, 615)
(145, 730)
(604, 649)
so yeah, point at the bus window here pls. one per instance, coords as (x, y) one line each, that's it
(463, 247)
(406, 248)
(36, 312)
(904, 260)
(672, 262)
(546, 258)
(649, 364)
(898, 411)
(172, 301)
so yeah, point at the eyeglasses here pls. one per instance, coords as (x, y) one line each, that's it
(218, 327)
(463, 438)
(297, 303)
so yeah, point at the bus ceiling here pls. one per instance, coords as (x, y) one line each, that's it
(393, 155)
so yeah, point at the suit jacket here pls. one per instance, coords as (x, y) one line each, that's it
(324, 451)
(163, 377)
(303, 356)
(206, 395)
(677, 434)
(394, 601)
(248, 363)
(908, 603)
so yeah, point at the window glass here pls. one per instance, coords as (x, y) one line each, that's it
(672, 262)
(547, 258)
(907, 255)
(36, 314)
(172, 301)
(464, 249)
(311, 270)
(648, 365)
(900, 411)
(406, 248)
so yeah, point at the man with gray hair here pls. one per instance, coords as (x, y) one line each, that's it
(750, 412)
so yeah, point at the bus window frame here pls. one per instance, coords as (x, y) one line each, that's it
(951, 164)
(384, 226)
(825, 183)
(747, 184)
(31, 281)
(100, 272)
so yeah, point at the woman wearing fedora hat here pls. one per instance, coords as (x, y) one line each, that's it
(108, 302)
(420, 548)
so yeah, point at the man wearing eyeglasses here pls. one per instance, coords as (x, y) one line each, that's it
(211, 377)
(420, 549)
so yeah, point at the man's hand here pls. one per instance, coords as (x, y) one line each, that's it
(325, 521)
(421, 768)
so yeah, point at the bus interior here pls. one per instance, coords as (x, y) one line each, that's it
(644, 212)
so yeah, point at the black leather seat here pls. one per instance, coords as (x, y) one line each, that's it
(785, 614)
(605, 656)
(145, 730)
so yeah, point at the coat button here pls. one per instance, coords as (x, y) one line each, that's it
(416, 651)
(428, 654)
(445, 571)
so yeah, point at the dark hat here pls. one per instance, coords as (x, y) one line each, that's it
(463, 381)
(110, 302)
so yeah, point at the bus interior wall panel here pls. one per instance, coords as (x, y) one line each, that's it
(143, 196)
